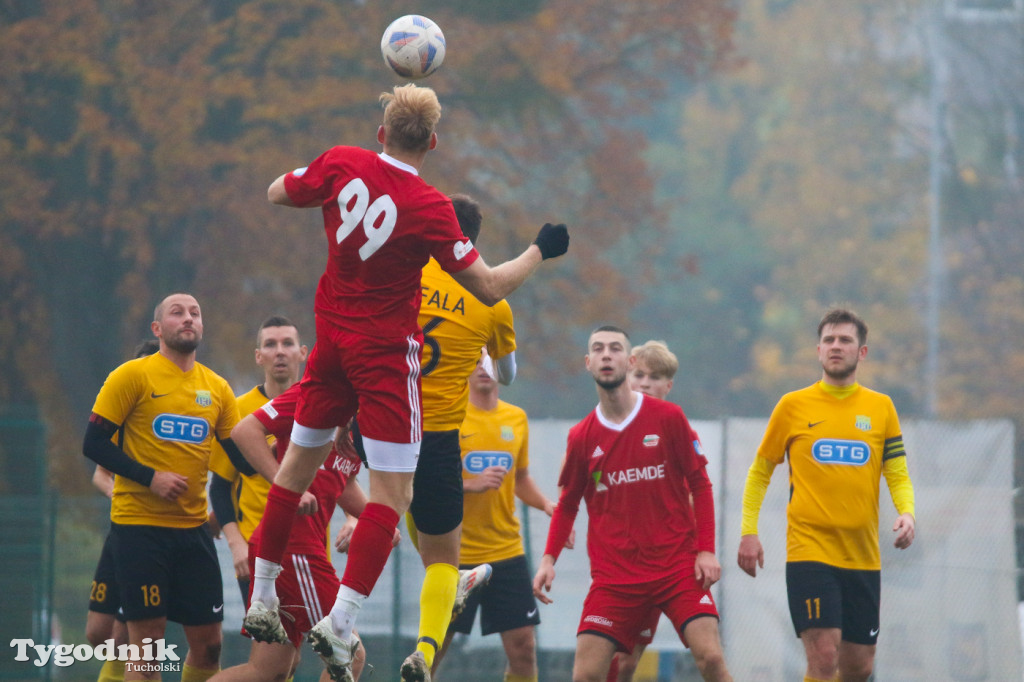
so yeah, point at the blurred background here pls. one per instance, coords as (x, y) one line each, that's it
(728, 169)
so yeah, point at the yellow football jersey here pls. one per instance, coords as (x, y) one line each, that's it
(248, 493)
(836, 447)
(490, 528)
(169, 418)
(455, 327)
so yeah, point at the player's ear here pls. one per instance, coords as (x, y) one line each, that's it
(433, 141)
(381, 135)
(862, 352)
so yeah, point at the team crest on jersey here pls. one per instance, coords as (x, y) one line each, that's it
(507, 433)
(203, 398)
(863, 423)
(651, 440)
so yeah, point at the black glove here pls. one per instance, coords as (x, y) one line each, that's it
(552, 240)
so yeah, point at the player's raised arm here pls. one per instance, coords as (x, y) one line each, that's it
(491, 284)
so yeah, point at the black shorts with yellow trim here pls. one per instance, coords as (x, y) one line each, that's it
(167, 572)
(824, 596)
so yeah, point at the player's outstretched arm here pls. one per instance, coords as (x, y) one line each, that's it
(277, 194)
(490, 285)
(543, 579)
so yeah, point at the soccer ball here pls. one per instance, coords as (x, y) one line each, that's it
(413, 46)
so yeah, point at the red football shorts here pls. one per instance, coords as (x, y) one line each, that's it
(378, 376)
(620, 612)
(307, 588)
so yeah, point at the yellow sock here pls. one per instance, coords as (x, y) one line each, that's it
(509, 677)
(112, 671)
(815, 679)
(436, 600)
(192, 674)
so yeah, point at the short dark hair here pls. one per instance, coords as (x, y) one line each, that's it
(467, 210)
(274, 321)
(845, 316)
(610, 328)
(144, 348)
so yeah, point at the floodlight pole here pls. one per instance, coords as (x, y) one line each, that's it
(937, 106)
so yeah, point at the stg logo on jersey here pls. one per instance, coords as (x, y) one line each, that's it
(478, 460)
(180, 428)
(836, 451)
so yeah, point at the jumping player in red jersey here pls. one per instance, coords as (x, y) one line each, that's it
(636, 460)
(383, 222)
(308, 583)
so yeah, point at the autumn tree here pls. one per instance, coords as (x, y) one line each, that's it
(139, 140)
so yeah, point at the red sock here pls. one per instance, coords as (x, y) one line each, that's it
(276, 526)
(370, 547)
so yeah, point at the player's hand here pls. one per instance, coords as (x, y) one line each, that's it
(168, 485)
(343, 442)
(396, 538)
(344, 536)
(751, 554)
(490, 478)
(706, 569)
(308, 504)
(552, 240)
(570, 543)
(542, 581)
(904, 529)
(240, 557)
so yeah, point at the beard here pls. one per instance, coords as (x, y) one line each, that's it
(612, 383)
(841, 373)
(182, 345)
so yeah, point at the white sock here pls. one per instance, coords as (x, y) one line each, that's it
(264, 574)
(343, 613)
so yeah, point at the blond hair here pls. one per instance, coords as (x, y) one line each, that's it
(410, 115)
(657, 357)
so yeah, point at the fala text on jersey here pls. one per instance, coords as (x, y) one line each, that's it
(650, 472)
(440, 301)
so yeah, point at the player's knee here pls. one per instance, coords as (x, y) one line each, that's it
(857, 671)
(522, 655)
(710, 663)
(627, 668)
(208, 654)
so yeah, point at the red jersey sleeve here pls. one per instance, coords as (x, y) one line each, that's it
(312, 185)
(573, 482)
(452, 250)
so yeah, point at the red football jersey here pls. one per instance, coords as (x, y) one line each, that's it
(636, 478)
(383, 223)
(309, 534)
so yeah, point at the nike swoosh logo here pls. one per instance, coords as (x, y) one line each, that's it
(811, 425)
(467, 435)
(218, 609)
(531, 614)
(873, 632)
(158, 395)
